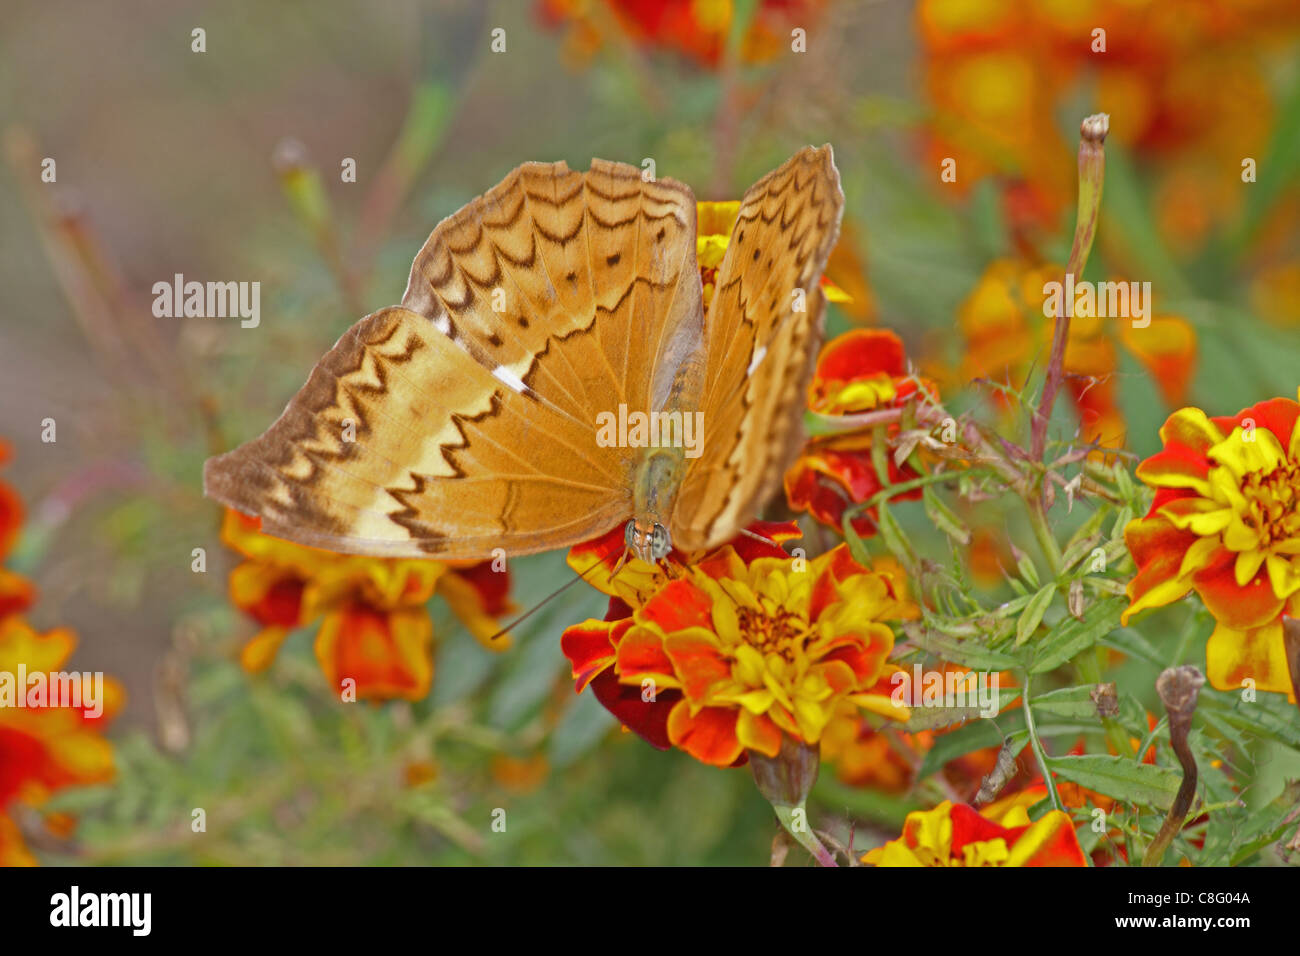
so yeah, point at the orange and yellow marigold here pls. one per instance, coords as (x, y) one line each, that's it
(741, 653)
(374, 624)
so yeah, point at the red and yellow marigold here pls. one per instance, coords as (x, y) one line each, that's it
(740, 649)
(1000, 835)
(374, 625)
(1225, 523)
(864, 370)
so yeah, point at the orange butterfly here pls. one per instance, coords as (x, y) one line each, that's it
(552, 372)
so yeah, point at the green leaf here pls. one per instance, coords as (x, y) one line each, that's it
(1071, 635)
(969, 653)
(935, 718)
(1121, 778)
(958, 743)
(1025, 565)
(943, 517)
(893, 536)
(1075, 703)
(1270, 715)
(1033, 615)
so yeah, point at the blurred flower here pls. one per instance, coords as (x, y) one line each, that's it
(697, 29)
(374, 626)
(16, 592)
(739, 648)
(46, 748)
(1225, 523)
(999, 835)
(520, 774)
(1004, 329)
(863, 370)
(1172, 76)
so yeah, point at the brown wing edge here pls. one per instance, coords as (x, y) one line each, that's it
(246, 478)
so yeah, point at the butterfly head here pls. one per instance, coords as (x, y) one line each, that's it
(647, 539)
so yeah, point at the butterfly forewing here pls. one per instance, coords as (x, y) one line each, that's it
(762, 332)
(464, 420)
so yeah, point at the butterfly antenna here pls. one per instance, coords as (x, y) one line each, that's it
(758, 537)
(545, 601)
(621, 561)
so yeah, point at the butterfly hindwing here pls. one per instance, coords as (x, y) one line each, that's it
(761, 347)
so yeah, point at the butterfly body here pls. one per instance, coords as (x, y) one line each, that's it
(554, 299)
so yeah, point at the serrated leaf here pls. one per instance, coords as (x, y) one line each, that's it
(893, 536)
(1269, 715)
(969, 653)
(1071, 635)
(1025, 565)
(1033, 613)
(943, 517)
(1122, 778)
(1075, 703)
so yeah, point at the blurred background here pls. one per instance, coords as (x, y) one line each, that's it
(225, 164)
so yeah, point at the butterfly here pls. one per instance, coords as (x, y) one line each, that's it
(471, 417)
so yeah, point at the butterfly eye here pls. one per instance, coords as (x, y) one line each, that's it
(629, 534)
(660, 543)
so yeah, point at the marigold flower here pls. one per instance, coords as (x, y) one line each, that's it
(861, 371)
(374, 625)
(44, 749)
(1225, 523)
(740, 650)
(1000, 835)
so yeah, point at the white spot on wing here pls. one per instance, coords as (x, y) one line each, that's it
(504, 374)
(758, 357)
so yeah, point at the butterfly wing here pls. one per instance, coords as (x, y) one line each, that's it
(761, 348)
(473, 404)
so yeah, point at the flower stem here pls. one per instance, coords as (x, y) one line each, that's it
(1092, 169)
(1178, 688)
(803, 835)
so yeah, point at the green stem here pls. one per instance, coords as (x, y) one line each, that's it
(1037, 745)
(934, 478)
